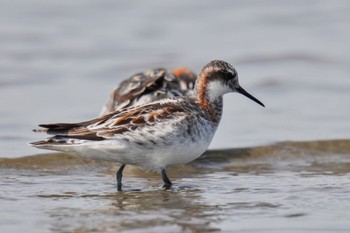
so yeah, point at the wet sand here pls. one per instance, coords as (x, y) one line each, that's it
(284, 187)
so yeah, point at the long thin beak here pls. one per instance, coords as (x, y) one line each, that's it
(245, 93)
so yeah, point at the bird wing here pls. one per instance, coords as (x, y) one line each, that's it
(117, 122)
(136, 86)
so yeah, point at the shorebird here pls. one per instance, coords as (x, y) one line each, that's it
(155, 135)
(150, 86)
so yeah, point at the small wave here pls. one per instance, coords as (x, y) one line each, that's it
(290, 152)
(44, 161)
(287, 148)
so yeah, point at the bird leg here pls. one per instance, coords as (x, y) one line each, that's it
(119, 176)
(167, 182)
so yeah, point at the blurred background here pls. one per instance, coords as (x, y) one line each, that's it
(59, 61)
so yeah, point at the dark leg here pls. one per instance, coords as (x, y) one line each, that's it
(119, 176)
(167, 182)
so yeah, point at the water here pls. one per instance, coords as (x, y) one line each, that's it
(286, 187)
(59, 61)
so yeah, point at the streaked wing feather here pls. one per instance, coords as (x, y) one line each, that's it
(139, 117)
(135, 86)
(117, 122)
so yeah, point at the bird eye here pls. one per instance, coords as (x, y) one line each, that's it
(229, 74)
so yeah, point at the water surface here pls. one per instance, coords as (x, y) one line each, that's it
(285, 187)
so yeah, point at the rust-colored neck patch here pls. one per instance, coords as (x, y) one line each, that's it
(203, 97)
(202, 84)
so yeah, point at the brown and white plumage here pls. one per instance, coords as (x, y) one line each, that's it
(155, 135)
(119, 122)
(150, 86)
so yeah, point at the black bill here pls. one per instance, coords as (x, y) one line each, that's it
(245, 93)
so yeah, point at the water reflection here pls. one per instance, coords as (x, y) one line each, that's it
(179, 210)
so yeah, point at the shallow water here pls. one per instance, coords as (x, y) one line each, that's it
(286, 187)
(59, 61)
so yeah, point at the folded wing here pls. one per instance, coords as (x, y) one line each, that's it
(118, 122)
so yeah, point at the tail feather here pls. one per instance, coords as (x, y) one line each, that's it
(39, 143)
(65, 133)
(64, 129)
(59, 126)
(40, 130)
(56, 141)
(56, 128)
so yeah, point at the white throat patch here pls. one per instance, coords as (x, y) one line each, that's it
(216, 89)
